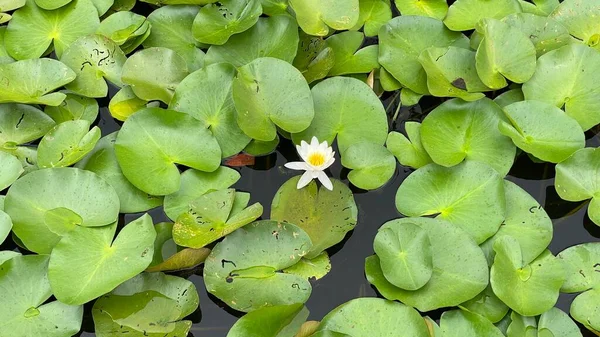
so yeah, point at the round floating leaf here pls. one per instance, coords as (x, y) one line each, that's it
(172, 28)
(102, 160)
(87, 263)
(5, 226)
(245, 276)
(74, 108)
(457, 261)
(409, 151)
(32, 30)
(457, 130)
(316, 17)
(555, 322)
(542, 130)
(488, 305)
(565, 77)
(10, 170)
(194, 184)
(125, 103)
(245, 47)
(326, 216)
(6, 255)
(349, 58)
(25, 289)
(433, 8)
(465, 14)
(51, 4)
(348, 109)
(459, 323)
(357, 318)
(405, 255)
(403, 39)
(281, 321)
(126, 29)
(545, 33)
(215, 23)
(32, 81)
(4, 57)
(9, 5)
(505, 51)
(581, 265)
(103, 5)
(270, 93)
(372, 165)
(315, 58)
(578, 17)
(529, 289)
(585, 310)
(206, 95)
(373, 14)
(67, 143)
(509, 97)
(470, 195)
(151, 143)
(154, 73)
(42, 196)
(259, 148)
(521, 326)
(312, 269)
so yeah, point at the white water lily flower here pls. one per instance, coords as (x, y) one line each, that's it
(317, 158)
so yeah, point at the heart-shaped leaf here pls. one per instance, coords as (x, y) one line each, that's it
(585, 310)
(555, 322)
(409, 151)
(215, 23)
(349, 58)
(125, 103)
(74, 108)
(373, 14)
(314, 58)
(67, 143)
(459, 323)
(465, 14)
(372, 165)
(316, 17)
(545, 33)
(281, 321)
(126, 29)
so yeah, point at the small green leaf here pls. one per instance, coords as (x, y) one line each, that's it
(409, 151)
(73, 108)
(10, 170)
(312, 269)
(215, 23)
(578, 17)
(316, 17)
(433, 8)
(349, 58)
(372, 165)
(373, 14)
(545, 33)
(465, 14)
(125, 103)
(281, 321)
(315, 57)
(459, 323)
(67, 143)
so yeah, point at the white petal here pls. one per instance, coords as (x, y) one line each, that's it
(324, 179)
(304, 180)
(323, 147)
(329, 152)
(315, 174)
(297, 165)
(314, 142)
(328, 163)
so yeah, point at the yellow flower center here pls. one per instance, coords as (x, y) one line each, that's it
(316, 159)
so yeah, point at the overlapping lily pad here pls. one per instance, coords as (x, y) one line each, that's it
(10, 170)
(432, 8)
(372, 165)
(349, 58)
(67, 143)
(578, 17)
(5, 227)
(73, 108)
(465, 14)
(409, 150)
(215, 23)
(458, 323)
(316, 17)
(125, 103)
(128, 30)
(282, 321)
(373, 14)
(545, 33)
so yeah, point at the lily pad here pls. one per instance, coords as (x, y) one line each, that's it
(25, 289)
(270, 93)
(125, 103)
(5, 227)
(457, 260)
(314, 58)
(51, 4)
(580, 263)
(470, 195)
(67, 143)
(433, 8)
(128, 30)
(40, 197)
(87, 263)
(521, 326)
(349, 58)
(4, 57)
(326, 216)
(555, 322)
(316, 17)
(245, 47)
(32, 30)
(542, 130)
(206, 95)
(346, 109)
(154, 73)
(10, 170)
(373, 14)
(457, 130)
(280, 321)
(578, 17)
(311, 269)
(487, 304)
(565, 77)
(172, 28)
(259, 148)
(409, 151)
(151, 143)
(545, 33)
(236, 264)
(184, 259)
(102, 160)
(215, 23)
(372, 165)
(32, 81)
(529, 289)
(459, 323)
(509, 97)
(74, 108)
(585, 310)
(465, 14)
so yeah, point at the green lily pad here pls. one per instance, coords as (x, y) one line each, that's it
(102, 160)
(5, 226)
(465, 14)
(27, 155)
(274, 7)
(4, 57)
(346, 109)
(545, 33)
(373, 14)
(215, 23)
(470, 195)
(51, 4)
(122, 5)
(409, 151)
(388, 82)
(404, 38)
(457, 260)
(509, 97)
(25, 289)
(433, 8)
(349, 58)
(585, 310)
(326, 216)
(213, 216)
(245, 47)
(74, 108)
(125, 103)
(505, 51)
(457, 130)
(488, 305)
(67, 143)
(459, 323)
(236, 264)
(172, 28)
(555, 322)
(372, 165)
(154, 73)
(194, 184)
(580, 264)
(356, 318)
(9, 5)
(10, 170)
(206, 95)
(87, 263)
(184, 259)
(316, 17)
(315, 57)
(280, 321)
(311, 269)
(259, 148)
(521, 326)
(151, 143)
(578, 17)
(405, 255)
(126, 29)
(529, 289)
(565, 77)
(270, 93)
(33, 30)
(38, 197)
(542, 130)
(6, 255)
(32, 81)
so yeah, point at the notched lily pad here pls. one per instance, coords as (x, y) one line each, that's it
(408, 150)
(125, 103)
(67, 143)
(348, 57)
(215, 23)
(128, 30)
(281, 320)
(465, 14)
(316, 17)
(372, 165)
(74, 108)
